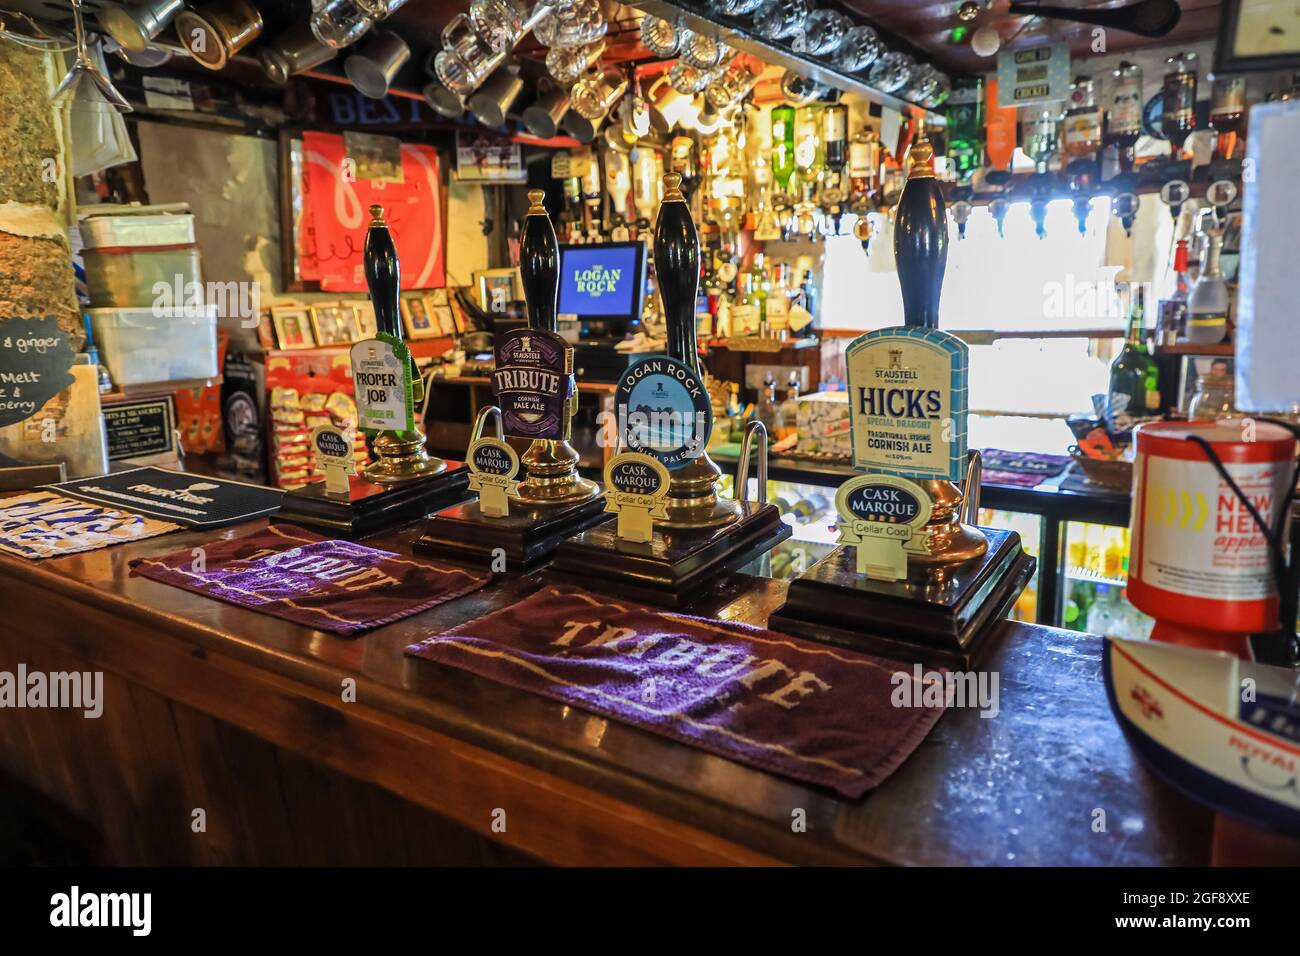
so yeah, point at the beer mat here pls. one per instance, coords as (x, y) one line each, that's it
(41, 524)
(330, 585)
(815, 713)
(195, 501)
(1020, 468)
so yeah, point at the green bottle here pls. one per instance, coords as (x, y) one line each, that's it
(783, 145)
(1134, 394)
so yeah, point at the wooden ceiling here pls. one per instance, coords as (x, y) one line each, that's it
(930, 26)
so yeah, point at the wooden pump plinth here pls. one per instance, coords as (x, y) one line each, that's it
(704, 536)
(553, 501)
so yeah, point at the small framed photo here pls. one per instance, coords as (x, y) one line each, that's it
(1257, 35)
(496, 288)
(367, 324)
(458, 315)
(293, 327)
(333, 323)
(416, 318)
(440, 312)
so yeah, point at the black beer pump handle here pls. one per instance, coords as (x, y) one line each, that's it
(677, 270)
(383, 274)
(921, 239)
(539, 264)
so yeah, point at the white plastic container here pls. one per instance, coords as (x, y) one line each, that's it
(98, 232)
(144, 346)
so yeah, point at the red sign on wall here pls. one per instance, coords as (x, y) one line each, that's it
(336, 214)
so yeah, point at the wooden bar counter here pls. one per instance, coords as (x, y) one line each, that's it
(233, 737)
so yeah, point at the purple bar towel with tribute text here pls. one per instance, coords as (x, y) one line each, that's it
(330, 585)
(816, 713)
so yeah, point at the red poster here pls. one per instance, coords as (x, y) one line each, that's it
(336, 215)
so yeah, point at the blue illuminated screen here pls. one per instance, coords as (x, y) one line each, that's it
(599, 281)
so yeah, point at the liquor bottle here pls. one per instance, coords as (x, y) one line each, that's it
(808, 293)
(1227, 113)
(809, 150)
(966, 127)
(768, 412)
(1081, 134)
(1133, 395)
(783, 145)
(758, 291)
(835, 129)
(1171, 320)
(999, 128)
(1124, 123)
(1207, 306)
(684, 162)
(1039, 133)
(1179, 99)
(864, 164)
(790, 408)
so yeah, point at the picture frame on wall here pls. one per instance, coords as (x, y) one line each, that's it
(293, 328)
(458, 315)
(1257, 35)
(496, 287)
(333, 324)
(439, 310)
(417, 321)
(367, 325)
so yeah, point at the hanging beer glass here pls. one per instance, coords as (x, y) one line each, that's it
(800, 90)
(784, 19)
(464, 61)
(823, 32)
(891, 72)
(503, 23)
(731, 87)
(702, 51)
(687, 79)
(597, 92)
(661, 37)
(566, 64)
(570, 23)
(860, 48)
(339, 23)
(379, 9)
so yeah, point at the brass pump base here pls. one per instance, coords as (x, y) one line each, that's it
(401, 460)
(948, 540)
(553, 480)
(693, 501)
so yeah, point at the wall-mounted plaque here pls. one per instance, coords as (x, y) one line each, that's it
(143, 430)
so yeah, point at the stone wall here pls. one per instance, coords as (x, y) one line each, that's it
(35, 264)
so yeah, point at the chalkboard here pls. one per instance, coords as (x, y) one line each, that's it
(141, 428)
(35, 357)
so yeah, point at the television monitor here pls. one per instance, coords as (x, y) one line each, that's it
(602, 284)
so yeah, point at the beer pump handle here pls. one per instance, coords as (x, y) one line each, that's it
(921, 239)
(677, 270)
(539, 264)
(383, 274)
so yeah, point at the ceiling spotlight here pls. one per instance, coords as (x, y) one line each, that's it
(985, 41)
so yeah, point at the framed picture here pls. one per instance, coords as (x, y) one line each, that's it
(333, 323)
(1258, 35)
(265, 330)
(458, 316)
(367, 325)
(416, 318)
(293, 327)
(496, 287)
(483, 157)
